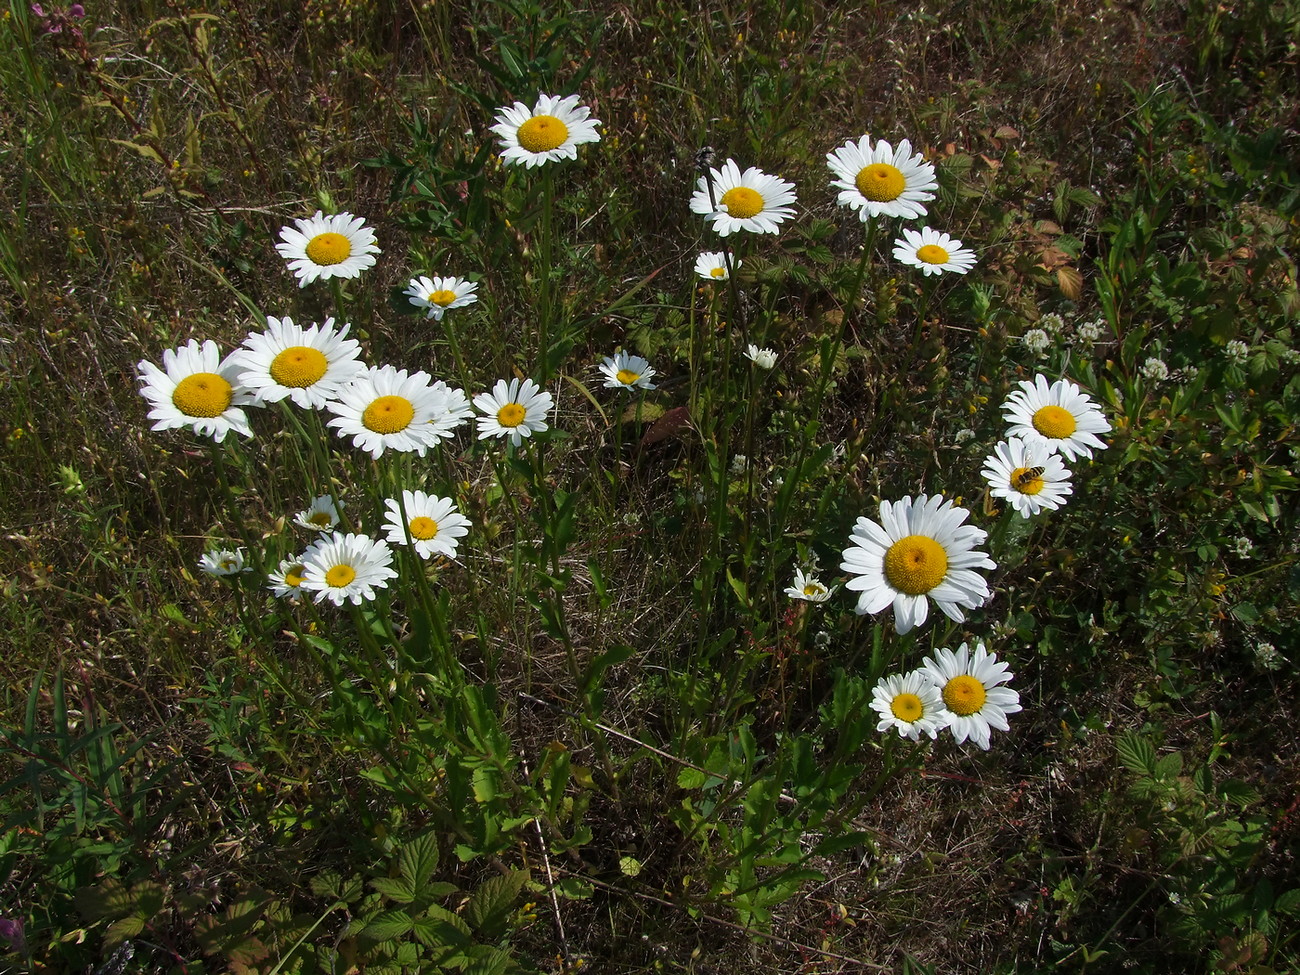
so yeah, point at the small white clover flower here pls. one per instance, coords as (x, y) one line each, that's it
(1237, 351)
(1090, 332)
(1053, 324)
(1154, 370)
(962, 437)
(739, 464)
(1267, 657)
(1036, 341)
(1243, 547)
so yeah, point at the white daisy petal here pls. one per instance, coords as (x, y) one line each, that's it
(1029, 476)
(881, 181)
(437, 296)
(551, 131)
(433, 523)
(322, 515)
(198, 389)
(1059, 417)
(912, 557)
(808, 587)
(712, 265)
(385, 409)
(223, 562)
(933, 252)
(339, 246)
(753, 200)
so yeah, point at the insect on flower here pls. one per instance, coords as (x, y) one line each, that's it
(1027, 477)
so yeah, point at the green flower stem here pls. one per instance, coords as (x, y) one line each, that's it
(545, 259)
(217, 453)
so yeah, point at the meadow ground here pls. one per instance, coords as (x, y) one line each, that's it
(268, 710)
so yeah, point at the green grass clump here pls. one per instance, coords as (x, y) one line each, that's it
(597, 732)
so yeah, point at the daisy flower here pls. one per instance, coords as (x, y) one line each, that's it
(223, 562)
(515, 410)
(385, 409)
(969, 686)
(347, 567)
(451, 410)
(763, 358)
(881, 181)
(341, 246)
(751, 200)
(919, 551)
(808, 587)
(434, 523)
(626, 371)
(437, 296)
(910, 703)
(552, 130)
(712, 265)
(305, 365)
(1030, 476)
(933, 252)
(1059, 417)
(285, 581)
(198, 389)
(321, 516)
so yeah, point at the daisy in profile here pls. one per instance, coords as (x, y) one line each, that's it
(223, 562)
(437, 296)
(307, 365)
(285, 581)
(626, 371)
(919, 551)
(321, 516)
(198, 389)
(1059, 417)
(712, 265)
(548, 132)
(435, 525)
(910, 703)
(969, 684)
(341, 246)
(880, 181)
(808, 587)
(385, 409)
(514, 409)
(933, 252)
(1031, 477)
(450, 411)
(752, 200)
(763, 358)
(347, 568)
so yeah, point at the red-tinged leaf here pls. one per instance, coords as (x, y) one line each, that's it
(673, 422)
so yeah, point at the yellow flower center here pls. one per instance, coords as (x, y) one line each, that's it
(907, 707)
(293, 575)
(881, 182)
(330, 248)
(339, 576)
(627, 377)
(511, 415)
(299, 367)
(388, 414)
(932, 254)
(718, 272)
(1054, 422)
(321, 519)
(915, 564)
(1025, 482)
(443, 297)
(542, 133)
(813, 590)
(742, 203)
(964, 695)
(423, 529)
(202, 394)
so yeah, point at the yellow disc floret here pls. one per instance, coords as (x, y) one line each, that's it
(339, 576)
(932, 254)
(542, 133)
(1054, 422)
(964, 695)
(881, 182)
(915, 564)
(423, 529)
(388, 414)
(907, 707)
(328, 249)
(299, 367)
(1028, 480)
(742, 203)
(443, 297)
(321, 519)
(293, 575)
(627, 377)
(718, 272)
(511, 415)
(202, 394)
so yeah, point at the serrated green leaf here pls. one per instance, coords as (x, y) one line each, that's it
(419, 859)
(395, 888)
(691, 778)
(489, 907)
(122, 929)
(1137, 754)
(388, 925)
